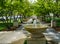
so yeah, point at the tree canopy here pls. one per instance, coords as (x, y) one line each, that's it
(41, 7)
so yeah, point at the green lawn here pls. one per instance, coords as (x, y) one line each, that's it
(5, 25)
(2, 28)
(55, 19)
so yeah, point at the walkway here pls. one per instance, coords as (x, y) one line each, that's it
(12, 37)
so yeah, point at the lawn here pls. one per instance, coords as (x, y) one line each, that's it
(5, 25)
(2, 28)
(55, 19)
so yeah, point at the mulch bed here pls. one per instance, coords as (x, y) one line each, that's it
(57, 28)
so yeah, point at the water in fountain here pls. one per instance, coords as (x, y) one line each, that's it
(33, 20)
(34, 23)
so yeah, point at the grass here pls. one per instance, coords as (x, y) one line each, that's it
(2, 28)
(55, 19)
(4, 25)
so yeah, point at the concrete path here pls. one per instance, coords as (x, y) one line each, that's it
(10, 37)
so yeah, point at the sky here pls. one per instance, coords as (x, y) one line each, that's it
(32, 1)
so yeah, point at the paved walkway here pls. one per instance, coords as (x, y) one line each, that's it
(11, 36)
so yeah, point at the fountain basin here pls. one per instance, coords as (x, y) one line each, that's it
(36, 29)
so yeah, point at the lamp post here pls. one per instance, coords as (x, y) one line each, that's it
(51, 14)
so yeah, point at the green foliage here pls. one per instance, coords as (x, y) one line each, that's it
(48, 6)
(5, 25)
(41, 7)
(25, 42)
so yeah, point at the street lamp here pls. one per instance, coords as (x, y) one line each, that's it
(51, 14)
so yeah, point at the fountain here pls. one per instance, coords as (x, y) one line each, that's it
(36, 32)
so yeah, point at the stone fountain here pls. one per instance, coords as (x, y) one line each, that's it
(36, 31)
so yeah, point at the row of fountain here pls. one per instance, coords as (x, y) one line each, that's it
(37, 32)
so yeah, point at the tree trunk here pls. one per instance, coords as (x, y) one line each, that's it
(3, 20)
(10, 18)
(6, 18)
